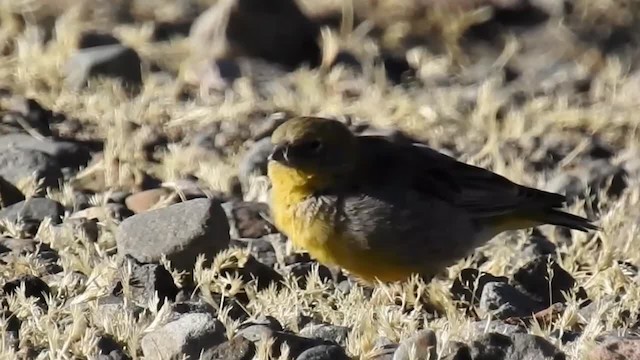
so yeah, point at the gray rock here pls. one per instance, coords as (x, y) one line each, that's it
(468, 286)
(18, 164)
(237, 348)
(297, 344)
(517, 347)
(547, 281)
(115, 61)
(324, 352)
(34, 210)
(9, 194)
(188, 335)
(611, 347)
(277, 32)
(334, 333)
(235, 305)
(181, 232)
(493, 346)
(189, 307)
(532, 346)
(255, 332)
(147, 279)
(422, 345)
(67, 154)
(503, 301)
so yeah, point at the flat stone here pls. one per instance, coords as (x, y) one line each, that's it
(181, 232)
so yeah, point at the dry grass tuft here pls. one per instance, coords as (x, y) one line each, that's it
(480, 133)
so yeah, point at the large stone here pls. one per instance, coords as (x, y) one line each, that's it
(148, 279)
(517, 347)
(34, 210)
(469, 284)
(67, 154)
(181, 232)
(324, 352)
(237, 348)
(190, 334)
(547, 281)
(297, 344)
(504, 301)
(274, 30)
(19, 164)
(329, 332)
(615, 347)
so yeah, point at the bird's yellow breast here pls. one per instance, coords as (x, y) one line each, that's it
(315, 230)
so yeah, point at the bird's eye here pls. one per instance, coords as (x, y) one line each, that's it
(315, 145)
(306, 149)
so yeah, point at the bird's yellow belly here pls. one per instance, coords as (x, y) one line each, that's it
(329, 246)
(318, 234)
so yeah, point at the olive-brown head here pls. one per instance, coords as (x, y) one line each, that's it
(315, 146)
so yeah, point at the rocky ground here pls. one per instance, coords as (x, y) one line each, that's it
(133, 139)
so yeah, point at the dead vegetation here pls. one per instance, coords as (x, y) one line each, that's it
(477, 122)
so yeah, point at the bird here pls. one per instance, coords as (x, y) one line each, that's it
(385, 210)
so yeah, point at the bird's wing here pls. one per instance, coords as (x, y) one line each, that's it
(481, 192)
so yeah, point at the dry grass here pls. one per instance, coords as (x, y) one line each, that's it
(71, 325)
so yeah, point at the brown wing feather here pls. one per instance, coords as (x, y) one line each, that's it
(482, 193)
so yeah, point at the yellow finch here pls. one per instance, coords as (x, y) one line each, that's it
(386, 210)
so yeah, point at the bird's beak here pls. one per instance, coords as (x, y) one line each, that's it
(279, 154)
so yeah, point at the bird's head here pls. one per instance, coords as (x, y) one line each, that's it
(315, 146)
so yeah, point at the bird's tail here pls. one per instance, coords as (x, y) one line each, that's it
(549, 216)
(561, 218)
